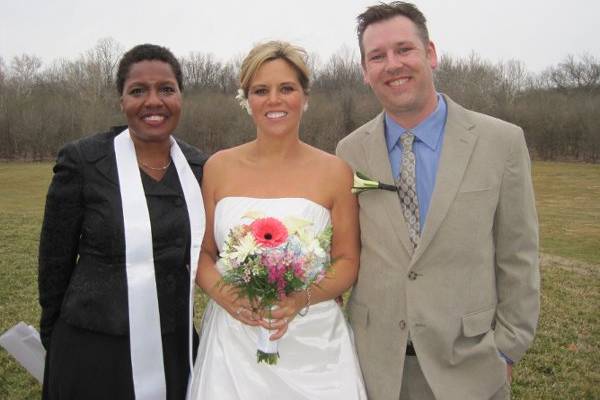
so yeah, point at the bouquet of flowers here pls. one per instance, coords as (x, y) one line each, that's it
(267, 259)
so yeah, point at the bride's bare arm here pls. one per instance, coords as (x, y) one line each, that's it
(345, 245)
(345, 251)
(208, 277)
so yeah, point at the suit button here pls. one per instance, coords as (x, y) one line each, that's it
(412, 275)
(402, 324)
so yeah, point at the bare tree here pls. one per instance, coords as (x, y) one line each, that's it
(100, 65)
(201, 70)
(23, 70)
(2, 70)
(106, 55)
(341, 70)
(582, 73)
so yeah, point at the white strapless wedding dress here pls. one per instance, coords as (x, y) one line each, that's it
(317, 355)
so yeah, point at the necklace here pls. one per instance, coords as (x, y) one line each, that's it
(156, 168)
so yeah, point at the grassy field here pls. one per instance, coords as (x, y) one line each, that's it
(568, 200)
(564, 362)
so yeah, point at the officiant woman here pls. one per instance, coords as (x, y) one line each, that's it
(123, 223)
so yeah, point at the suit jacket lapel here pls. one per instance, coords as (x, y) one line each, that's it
(458, 144)
(377, 157)
(100, 153)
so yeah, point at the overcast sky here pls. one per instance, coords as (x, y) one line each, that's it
(538, 32)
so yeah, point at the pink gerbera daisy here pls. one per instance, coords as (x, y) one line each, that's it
(269, 232)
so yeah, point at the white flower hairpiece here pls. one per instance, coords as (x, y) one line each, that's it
(241, 98)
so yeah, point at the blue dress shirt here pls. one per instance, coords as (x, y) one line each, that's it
(429, 135)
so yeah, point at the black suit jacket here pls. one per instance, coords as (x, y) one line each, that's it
(82, 277)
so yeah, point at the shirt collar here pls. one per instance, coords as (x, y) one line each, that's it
(428, 131)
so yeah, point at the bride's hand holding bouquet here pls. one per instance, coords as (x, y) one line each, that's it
(272, 264)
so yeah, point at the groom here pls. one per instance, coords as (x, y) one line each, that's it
(447, 297)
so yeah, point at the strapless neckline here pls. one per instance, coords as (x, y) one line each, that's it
(233, 198)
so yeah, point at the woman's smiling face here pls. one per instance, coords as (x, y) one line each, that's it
(276, 98)
(151, 100)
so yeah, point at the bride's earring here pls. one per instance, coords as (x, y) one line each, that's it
(305, 106)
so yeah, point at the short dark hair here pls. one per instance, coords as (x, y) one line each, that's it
(147, 52)
(383, 12)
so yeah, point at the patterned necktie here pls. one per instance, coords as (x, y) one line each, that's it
(407, 188)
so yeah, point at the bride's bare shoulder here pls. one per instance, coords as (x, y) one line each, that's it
(329, 164)
(227, 158)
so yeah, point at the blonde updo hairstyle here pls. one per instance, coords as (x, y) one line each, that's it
(262, 53)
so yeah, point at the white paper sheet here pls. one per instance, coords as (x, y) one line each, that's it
(23, 342)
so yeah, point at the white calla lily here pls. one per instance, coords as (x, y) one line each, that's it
(363, 183)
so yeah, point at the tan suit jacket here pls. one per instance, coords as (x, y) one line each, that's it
(471, 288)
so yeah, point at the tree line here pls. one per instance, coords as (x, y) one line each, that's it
(43, 107)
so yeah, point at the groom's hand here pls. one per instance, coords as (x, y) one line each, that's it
(509, 373)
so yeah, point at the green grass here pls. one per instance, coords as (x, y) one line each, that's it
(568, 199)
(23, 187)
(564, 361)
(562, 364)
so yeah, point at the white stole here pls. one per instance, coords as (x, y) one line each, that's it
(144, 320)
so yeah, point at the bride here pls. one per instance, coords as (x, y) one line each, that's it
(278, 175)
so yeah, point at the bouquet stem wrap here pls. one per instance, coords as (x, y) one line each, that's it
(267, 350)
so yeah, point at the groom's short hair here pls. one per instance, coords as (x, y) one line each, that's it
(385, 11)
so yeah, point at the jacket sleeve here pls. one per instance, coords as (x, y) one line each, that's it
(516, 261)
(59, 239)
